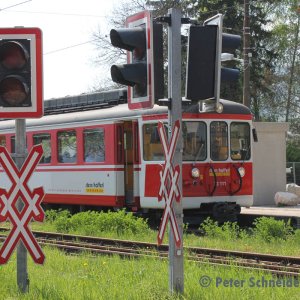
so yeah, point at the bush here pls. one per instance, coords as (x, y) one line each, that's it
(228, 231)
(93, 223)
(59, 218)
(296, 236)
(269, 229)
(50, 215)
(62, 221)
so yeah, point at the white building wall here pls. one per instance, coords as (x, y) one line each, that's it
(269, 161)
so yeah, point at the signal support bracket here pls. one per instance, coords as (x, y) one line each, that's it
(164, 19)
(167, 102)
(167, 19)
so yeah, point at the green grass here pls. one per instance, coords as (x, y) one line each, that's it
(102, 277)
(268, 235)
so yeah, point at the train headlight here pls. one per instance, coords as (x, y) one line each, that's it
(219, 108)
(195, 173)
(242, 171)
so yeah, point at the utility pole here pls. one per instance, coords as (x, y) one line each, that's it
(22, 274)
(176, 278)
(247, 54)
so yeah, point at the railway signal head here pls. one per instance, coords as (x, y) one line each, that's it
(134, 74)
(230, 43)
(20, 73)
(16, 77)
(205, 73)
(143, 73)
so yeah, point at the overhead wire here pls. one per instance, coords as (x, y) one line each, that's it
(14, 5)
(69, 47)
(77, 15)
(57, 13)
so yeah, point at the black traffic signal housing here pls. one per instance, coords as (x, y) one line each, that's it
(201, 64)
(21, 73)
(133, 74)
(143, 73)
(230, 43)
(15, 73)
(204, 70)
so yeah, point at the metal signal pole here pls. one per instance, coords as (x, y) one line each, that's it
(176, 278)
(246, 46)
(22, 274)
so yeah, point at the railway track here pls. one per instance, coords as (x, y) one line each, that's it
(277, 265)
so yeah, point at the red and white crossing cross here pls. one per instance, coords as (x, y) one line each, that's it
(169, 183)
(31, 205)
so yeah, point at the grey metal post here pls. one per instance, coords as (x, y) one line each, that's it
(246, 84)
(22, 275)
(176, 279)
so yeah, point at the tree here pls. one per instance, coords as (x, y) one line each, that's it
(274, 88)
(107, 54)
(293, 149)
(284, 80)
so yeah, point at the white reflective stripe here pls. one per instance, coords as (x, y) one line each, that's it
(19, 185)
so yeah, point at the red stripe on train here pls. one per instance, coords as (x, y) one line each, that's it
(97, 200)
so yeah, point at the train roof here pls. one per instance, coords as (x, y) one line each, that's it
(229, 107)
(117, 112)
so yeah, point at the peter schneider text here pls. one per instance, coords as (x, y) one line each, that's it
(251, 282)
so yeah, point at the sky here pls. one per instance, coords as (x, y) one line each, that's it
(67, 27)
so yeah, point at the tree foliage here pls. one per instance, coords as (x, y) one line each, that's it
(283, 82)
(293, 150)
(275, 62)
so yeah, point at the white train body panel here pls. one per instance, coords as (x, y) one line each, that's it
(127, 175)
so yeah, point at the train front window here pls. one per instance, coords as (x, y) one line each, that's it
(67, 146)
(94, 150)
(218, 141)
(194, 141)
(152, 148)
(45, 140)
(240, 141)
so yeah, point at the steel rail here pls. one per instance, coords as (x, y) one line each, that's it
(276, 264)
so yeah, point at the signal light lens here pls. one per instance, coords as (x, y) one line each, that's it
(134, 75)
(117, 74)
(13, 91)
(13, 55)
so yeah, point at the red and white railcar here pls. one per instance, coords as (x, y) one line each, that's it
(111, 157)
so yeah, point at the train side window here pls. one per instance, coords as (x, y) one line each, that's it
(152, 148)
(45, 140)
(240, 141)
(218, 141)
(67, 146)
(2, 140)
(94, 150)
(194, 141)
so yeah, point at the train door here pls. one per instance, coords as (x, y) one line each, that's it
(128, 162)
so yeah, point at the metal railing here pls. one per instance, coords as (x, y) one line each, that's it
(293, 172)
